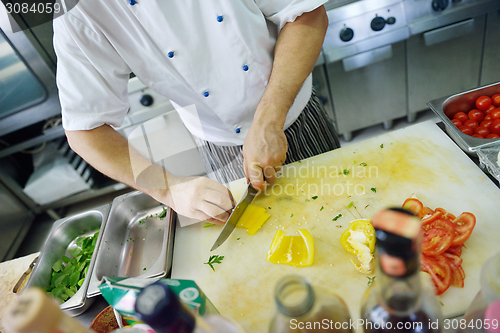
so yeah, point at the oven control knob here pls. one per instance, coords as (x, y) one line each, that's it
(391, 20)
(346, 34)
(439, 5)
(146, 100)
(378, 23)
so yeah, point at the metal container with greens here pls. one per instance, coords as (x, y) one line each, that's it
(68, 257)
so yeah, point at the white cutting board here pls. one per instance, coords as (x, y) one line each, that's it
(418, 160)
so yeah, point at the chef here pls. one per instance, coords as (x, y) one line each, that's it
(243, 66)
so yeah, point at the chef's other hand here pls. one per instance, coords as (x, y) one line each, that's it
(264, 152)
(199, 198)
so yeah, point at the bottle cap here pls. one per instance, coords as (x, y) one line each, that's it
(398, 234)
(33, 311)
(159, 307)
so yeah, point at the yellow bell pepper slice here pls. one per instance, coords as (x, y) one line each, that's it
(253, 218)
(297, 251)
(359, 239)
(359, 225)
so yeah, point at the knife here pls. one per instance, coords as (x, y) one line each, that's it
(231, 222)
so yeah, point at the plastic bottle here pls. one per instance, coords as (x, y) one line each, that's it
(160, 308)
(483, 314)
(302, 307)
(398, 300)
(35, 312)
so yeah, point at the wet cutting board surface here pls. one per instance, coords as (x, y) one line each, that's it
(419, 160)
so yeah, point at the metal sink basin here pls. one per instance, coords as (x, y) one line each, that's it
(136, 242)
(62, 238)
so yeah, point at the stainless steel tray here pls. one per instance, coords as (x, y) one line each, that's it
(446, 107)
(62, 238)
(136, 243)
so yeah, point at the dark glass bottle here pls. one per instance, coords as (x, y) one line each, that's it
(159, 307)
(398, 300)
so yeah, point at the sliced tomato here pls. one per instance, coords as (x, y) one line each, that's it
(439, 269)
(454, 260)
(428, 211)
(446, 215)
(464, 224)
(438, 237)
(456, 250)
(457, 277)
(430, 219)
(414, 206)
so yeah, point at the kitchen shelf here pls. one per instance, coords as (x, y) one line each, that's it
(48, 135)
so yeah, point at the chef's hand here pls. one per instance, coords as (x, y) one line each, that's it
(199, 198)
(264, 152)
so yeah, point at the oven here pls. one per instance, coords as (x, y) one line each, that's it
(386, 59)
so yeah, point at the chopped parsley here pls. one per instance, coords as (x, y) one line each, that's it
(315, 197)
(308, 200)
(350, 204)
(215, 259)
(371, 280)
(346, 172)
(337, 217)
(363, 164)
(382, 146)
(238, 238)
(162, 214)
(208, 224)
(291, 215)
(321, 208)
(374, 190)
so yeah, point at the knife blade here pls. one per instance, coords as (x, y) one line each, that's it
(231, 222)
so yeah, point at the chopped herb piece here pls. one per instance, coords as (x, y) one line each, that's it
(315, 197)
(382, 146)
(299, 161)
(238, 238)
(337, 217)
(371, 280)
(350, 204)
(144, 269)
(321, 208)
(215, 259)
(374, 190)
(208, 224)
(363, 164)
(340, 173)
(353, 162)
(163, 213)
(159, 230)
(308, 200)
(441, 303)
(346, 172)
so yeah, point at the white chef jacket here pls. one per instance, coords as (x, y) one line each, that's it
(215, 54)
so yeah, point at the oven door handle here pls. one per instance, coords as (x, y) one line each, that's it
(367, 58)
(449, 32)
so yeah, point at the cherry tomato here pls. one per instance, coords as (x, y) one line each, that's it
(462, 116)
(476, 115)
(495, 127)
(415, 206)
(456, 250)
(439, 269)
(495, 99)
(464, 224)
(493, 136)
(483, 131)
(472, 124)
(495, 114)
(486, 123)
(466, 130)
(491, 108)
(488, 117)
(456, 122)
(478, 136)
(483, 103)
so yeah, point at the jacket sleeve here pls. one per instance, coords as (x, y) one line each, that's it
(280, 12)
(91, 77)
